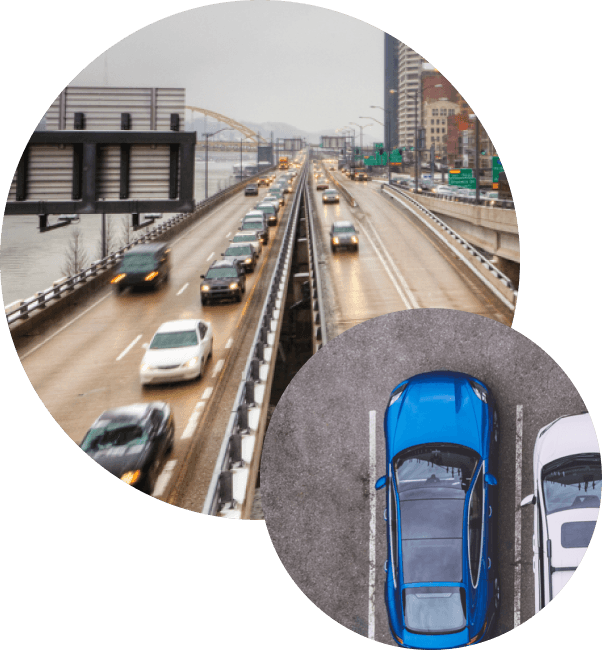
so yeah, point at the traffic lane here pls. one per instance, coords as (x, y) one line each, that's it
(315, 478)
(77, 374)
(435, 277)
(360, 285)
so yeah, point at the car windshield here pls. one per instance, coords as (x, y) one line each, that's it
(266, 208)
(344, 229)
(251, 225)
(330, 192)
(119, 431)
(164, 340)
(252, 187)
(235, 251)
(434, 610)
(572, 482)
(441, 467)
(221, 273)
(238, 238)
(137, 263)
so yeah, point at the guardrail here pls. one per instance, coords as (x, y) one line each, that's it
(508, 296)
(21, 309)
(504, 204)
(228, 488)
(340, 187)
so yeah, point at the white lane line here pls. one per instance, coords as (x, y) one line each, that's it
(518, 490)
(193, 421)
(181, 291)
(129, 347)
(229, 343)
(39, 345)
(372, 542)
(164, 477)
(218, 367)
(228, 235)
(210, 256)
(207, 393)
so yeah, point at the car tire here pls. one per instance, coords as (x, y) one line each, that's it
(210, 355)
(333, 249)
(357, 246)
(119, 290)
(170, 444)
(204, 301)
(201, 370)
(238, 296)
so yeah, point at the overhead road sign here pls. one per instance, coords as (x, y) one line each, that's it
(462, 178)
(332, 142)
(496, 168)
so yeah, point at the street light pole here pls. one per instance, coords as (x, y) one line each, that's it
(387, 112)
(207, 136)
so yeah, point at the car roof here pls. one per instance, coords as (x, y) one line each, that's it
(147, 248)
(254, 213)
(343, 223)
(136, 410)
(178, 325)
(220, 264)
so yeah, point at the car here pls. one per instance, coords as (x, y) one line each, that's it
(269, 211)
(441, 436)
(567, 477)
(330, 196)
(178, 351)
(359, 176)
(256, 221)
(145, 265)
(274, 200)
(444, 190)
(264, 181)
(244, 254)
(322, 184)
(277, 194)
(343, 234)
(223, 280)
(331, 169)
(251, 238)
(251, 189)
(131, 442)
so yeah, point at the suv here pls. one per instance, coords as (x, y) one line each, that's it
(145, 265)
(264, 181)
(243, 254)
(256, 220)
(251, 238)
(342, 234)
(269, 210)
(224, 279)
(251, 189)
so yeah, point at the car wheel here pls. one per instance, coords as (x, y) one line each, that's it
(357, 246)
(201, 369)
(333, 249)
(170, 444)
(203, 301)
(239, 296)
(119, 289)
(210, 355)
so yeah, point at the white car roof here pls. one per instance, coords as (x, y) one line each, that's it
(566, 436)
(179, 325)
(254, 213)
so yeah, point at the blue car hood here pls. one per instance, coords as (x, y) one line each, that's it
(436, 407)
(455, 640)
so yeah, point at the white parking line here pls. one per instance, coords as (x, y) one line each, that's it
(164, 477)
(182, 289)
(207, 393)
(372, 542)
(210, 256)
(218, 367)
(229, 343)
(518, 512)
(193, 421)
(129, 347)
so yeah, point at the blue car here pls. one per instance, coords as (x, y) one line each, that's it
(442, 587)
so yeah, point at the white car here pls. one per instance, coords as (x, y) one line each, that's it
(251, 238)
(444, 190)
(567, 478)
(179, 350)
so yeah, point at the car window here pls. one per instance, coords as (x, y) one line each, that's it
(238, 250)
(393, 531)
(434, 610)
(137, 263)
(251, 225)
(343, 229)
(240, 238)
(119, 431)
(475, 528)
(572, 482)
(165, 340)
(202, 330)
(221, 273)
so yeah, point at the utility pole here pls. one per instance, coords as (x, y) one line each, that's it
(477, 153)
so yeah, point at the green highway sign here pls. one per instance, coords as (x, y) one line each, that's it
(462, 178)
(464, 172)
(496, 168)
(396, 156)
(379, 145)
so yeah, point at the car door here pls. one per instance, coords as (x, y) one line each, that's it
(475, 538)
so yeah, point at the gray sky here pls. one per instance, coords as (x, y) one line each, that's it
(250, 61)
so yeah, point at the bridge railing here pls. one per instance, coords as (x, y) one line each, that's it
(486, 202)
(21, 309)
(228, 488)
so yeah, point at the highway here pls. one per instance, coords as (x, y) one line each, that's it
(399, 264)
(325, 448)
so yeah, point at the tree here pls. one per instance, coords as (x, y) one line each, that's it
(76, 256)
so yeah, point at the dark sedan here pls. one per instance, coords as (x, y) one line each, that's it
(131, 442)
(251, 189)
(243, 254)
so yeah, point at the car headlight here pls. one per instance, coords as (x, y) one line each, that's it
(354, 239)
(479, 391)
(335, 240)
(144, 366)
(151, 276)
(248, 260)
(205, 287)
(131, 477)
(190, 363)
(233, 285)
(396, 394)
(118, 278)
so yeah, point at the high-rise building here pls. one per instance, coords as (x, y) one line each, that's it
(408, 94)
(390, 101)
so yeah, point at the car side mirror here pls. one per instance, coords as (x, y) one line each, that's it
(531, 500)
(380, 484)
(223, 254)
(490, 479)
(202, 277)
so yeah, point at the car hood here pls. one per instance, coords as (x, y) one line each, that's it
(171, 356)
(119, 460)
(566, 436)
(436, 407)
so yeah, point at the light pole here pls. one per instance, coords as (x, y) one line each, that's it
(387, 138)
(350, 128)
(477, 153)
(207, 136)
(361, 133)
(415, 96)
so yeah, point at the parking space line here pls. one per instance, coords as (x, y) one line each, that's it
(164, 477)
(372, 537)
(129, 347)
(218, 368)
(210, 256)
(518, 513)
(182, 289)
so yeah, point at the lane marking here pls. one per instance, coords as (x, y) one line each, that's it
(518, 513)
(372, 541)
(193, 421)
(129, 347)
(228, 235)
(164, 477)
(182, 289)
(210, 256)
(207, 393)
(218, 367)
(229, 343)
(39, 345)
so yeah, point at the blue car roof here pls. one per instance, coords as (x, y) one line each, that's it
(436, 407)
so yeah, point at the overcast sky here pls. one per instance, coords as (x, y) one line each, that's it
(259, 61)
